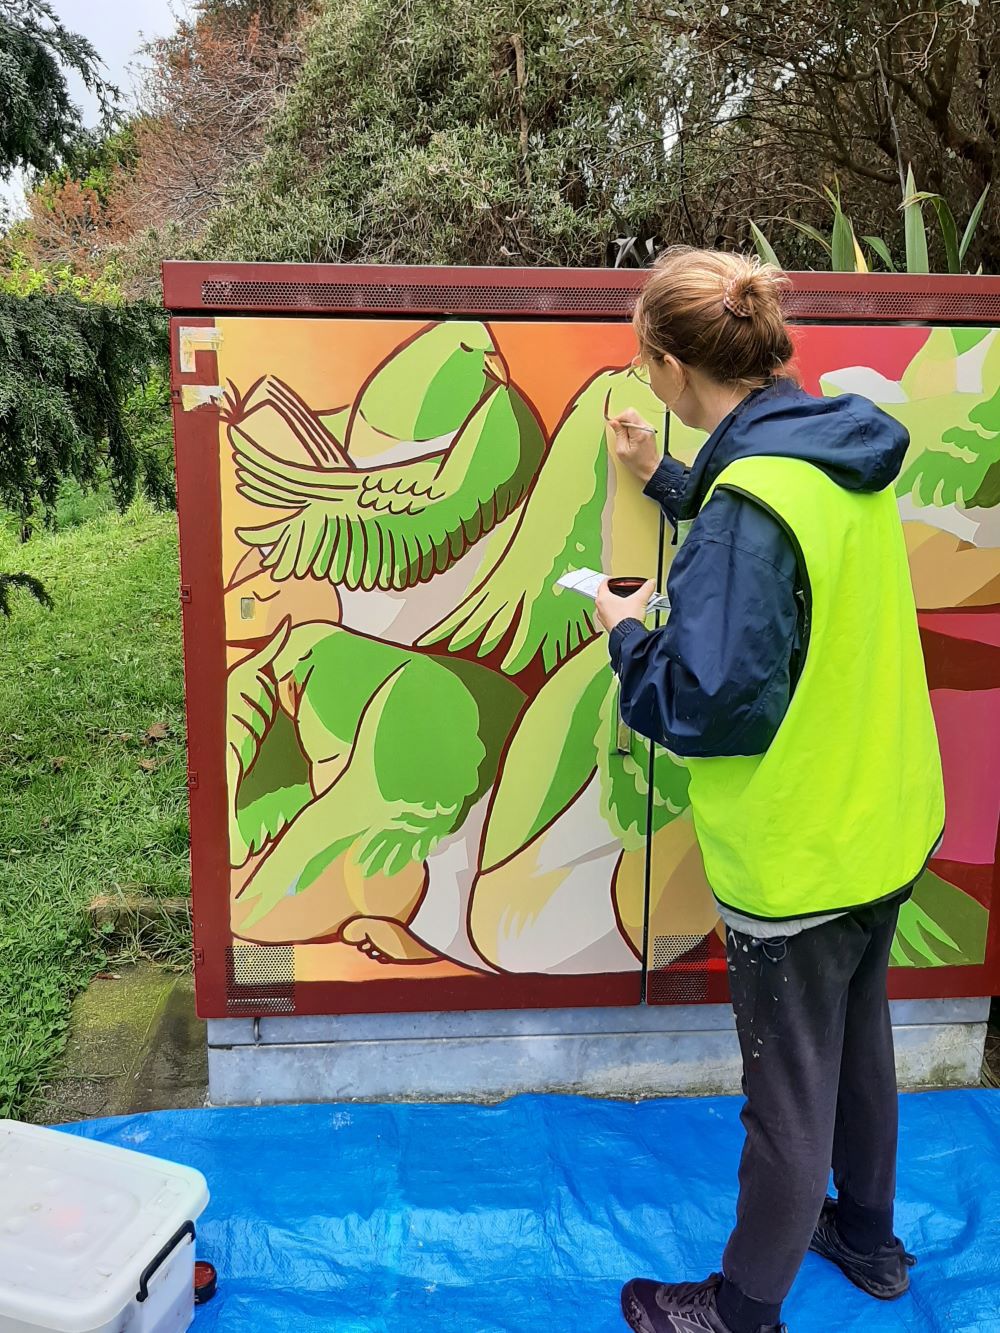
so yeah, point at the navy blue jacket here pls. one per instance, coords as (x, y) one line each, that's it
(717, 678)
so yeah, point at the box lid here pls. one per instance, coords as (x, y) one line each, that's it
(79, 1221)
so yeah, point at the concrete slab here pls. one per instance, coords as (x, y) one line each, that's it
(134, 1045)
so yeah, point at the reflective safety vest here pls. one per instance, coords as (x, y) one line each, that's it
(847, 803)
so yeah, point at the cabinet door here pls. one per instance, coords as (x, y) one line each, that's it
(944, 386)
(429, 801)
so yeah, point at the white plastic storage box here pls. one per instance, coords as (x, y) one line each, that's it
(93, 1239)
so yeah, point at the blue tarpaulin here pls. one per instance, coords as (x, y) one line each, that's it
(530, 1215)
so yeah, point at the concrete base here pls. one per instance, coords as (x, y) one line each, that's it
(134, 1045)
(486, 1056)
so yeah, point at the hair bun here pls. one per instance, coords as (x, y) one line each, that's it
(738, 294)
(717, 312)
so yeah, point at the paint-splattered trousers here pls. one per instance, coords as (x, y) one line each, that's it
(820, 1080)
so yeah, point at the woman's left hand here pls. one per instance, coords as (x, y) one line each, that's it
(611, 610)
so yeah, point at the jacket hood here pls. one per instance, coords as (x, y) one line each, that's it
(856, 444)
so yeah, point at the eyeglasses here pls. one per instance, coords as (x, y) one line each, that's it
(638, 368)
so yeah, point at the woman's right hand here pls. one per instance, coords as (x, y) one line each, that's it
(634, 444)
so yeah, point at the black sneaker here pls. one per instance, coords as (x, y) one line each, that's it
(676, 1307)
(884, 1274)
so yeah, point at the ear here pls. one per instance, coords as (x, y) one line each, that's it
(675, 369)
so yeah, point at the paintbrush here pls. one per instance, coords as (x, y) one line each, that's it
(631, 425)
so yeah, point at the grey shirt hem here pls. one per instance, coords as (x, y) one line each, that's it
(772, 930)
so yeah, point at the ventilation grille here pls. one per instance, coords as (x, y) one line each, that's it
(809, 298)
(382, 297)
(679, 974)
(260, 980)
(929, 306)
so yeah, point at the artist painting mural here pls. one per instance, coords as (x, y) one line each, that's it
(426, 772)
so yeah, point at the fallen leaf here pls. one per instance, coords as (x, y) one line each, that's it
(159, 731)
(149, 765)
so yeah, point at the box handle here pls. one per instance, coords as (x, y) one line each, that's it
(186, 1230)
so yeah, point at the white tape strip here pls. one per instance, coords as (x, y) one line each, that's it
(200, 395)
(194, 340)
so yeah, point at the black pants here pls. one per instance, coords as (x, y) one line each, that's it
(820, 1080)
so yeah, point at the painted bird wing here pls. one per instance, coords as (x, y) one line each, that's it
(396, 525)
(515, 599)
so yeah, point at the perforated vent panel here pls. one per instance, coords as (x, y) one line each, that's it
(810, 298)
(378, 297)
(260, 979)
(678, 974)
(913, 305)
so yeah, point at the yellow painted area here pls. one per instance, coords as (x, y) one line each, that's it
(947, 571)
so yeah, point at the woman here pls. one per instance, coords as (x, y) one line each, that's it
(790, 678)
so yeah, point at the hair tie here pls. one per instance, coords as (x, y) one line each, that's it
(735, 302)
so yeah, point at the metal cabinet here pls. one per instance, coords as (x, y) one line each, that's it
(410, 788)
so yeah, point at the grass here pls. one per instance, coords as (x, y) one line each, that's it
(90, 803)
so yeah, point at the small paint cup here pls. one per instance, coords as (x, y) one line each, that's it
(205, 1282)
(625, 587)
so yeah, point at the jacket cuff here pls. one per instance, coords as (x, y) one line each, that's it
(617, 637)
(667, 486)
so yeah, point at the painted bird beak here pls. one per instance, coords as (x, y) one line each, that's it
(496, 367)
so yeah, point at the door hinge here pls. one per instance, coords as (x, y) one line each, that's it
(185, 592)
(192, 778)
(199, 957)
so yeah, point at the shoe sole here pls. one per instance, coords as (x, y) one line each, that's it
(880, 1293)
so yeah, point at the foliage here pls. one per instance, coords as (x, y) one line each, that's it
(125, 198)
(8, 582)
(211, 87)
(846, 255)
(857, 90)
(39, 125)
(481, 133)
(72, 217)
(585, 133)
(67, 368)
(89, 804)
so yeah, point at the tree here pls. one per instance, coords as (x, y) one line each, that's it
(859, 90)
(488, 132)
(39, 125)
(71, 354)
(211, 87)
(475, 131)
(67, 369)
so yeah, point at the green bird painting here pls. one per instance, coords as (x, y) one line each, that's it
(352, 761)
(328, 840)
(425, 759)
(581, 513)
(427, 474)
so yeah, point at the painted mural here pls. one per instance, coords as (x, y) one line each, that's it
(426, 771)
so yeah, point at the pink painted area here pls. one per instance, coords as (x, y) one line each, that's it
(978, 627)
(821, 349)
(968, 723)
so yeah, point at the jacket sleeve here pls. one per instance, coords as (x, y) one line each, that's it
(716, 679)
(667, 486)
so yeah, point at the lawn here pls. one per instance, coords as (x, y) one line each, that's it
(92, 769)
